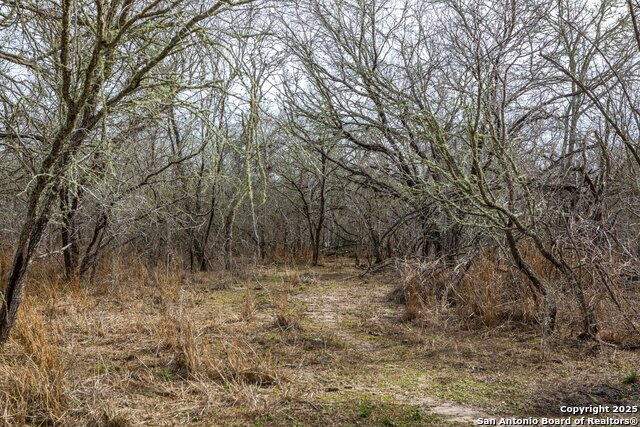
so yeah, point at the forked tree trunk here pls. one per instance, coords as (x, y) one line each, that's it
(30, 236)
(550, 308)
(90, 258)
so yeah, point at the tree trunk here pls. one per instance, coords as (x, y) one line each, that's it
(317, 235)
(30, 236)
(262, 245)
(550, 308)
(90, 257)
(228, 238)
(315, 252)
(589, 322)
(69, 232)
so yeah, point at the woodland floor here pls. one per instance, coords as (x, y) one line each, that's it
(299, 346)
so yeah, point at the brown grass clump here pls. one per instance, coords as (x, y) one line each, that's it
(229, 362)
(177, 331)
(249, 307)
(424, 291)
(492, 292)
(287, 317)
(240, 363)
(483, 290)
(188, 354)
(33, 387)
(110, 418)
(415, 301)
(487, 290)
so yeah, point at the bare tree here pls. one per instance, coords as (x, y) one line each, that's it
(89, 83)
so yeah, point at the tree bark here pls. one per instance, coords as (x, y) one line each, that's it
(228, 237)
(317, 233)
(550, 310)
(69, 232)
(30, 236)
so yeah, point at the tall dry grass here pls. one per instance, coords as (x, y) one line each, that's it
(482, 290)
(81, 345)
(33, 371)
(231, 361)
(487, 290)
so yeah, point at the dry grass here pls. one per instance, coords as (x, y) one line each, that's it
(249, 308)
(110, 418)
(485, 290)
(33, 383)
(292, 256)
(79, 349)
(230, 361)
(237, 362)
(288, 318)
(489, 293)
(143, 346)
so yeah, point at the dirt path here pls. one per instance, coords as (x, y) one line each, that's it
(367, 325)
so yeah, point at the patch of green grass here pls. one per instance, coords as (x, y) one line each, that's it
(631, 376)
(227, 297)
(416, 415)
(264, 420)
(489, 393)
(274, 277)
(106, 368)
(165, 375)
(364, 409)
(400, 375)
(387, 422)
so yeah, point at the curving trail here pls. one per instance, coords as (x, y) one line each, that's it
(375, 352)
